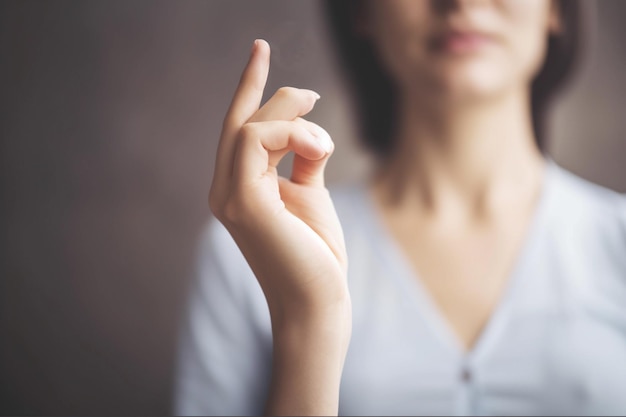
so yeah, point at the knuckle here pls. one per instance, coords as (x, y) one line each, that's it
(248, 132)
(299, 130)
(287, 92)
(242, 204)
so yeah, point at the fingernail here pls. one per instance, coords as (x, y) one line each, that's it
(325, 141)
(317, 96)
(254, 45)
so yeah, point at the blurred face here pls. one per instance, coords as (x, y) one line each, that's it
(460, 50)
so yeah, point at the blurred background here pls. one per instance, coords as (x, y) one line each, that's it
(109, 119)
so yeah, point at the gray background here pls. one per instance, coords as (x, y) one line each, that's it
(110, 114)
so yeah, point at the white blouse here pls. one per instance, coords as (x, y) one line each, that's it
(555, 344)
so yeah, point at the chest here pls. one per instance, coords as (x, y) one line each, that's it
(552, 346)
(464, 274)
(535, 361)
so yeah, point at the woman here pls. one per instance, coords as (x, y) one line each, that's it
(483, 279)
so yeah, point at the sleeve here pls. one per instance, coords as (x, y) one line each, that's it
(224, 355)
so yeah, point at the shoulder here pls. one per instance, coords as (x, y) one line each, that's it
(589, 227)
(594, 208)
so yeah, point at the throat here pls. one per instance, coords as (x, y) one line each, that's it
(463, 265)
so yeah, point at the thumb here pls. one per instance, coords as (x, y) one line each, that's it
(311, 172)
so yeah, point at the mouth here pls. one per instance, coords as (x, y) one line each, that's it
(458, 42)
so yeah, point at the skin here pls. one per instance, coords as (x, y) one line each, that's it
(460, 191)
(290, 235)
(457, 194)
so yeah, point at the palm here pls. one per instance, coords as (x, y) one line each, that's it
(308, 210)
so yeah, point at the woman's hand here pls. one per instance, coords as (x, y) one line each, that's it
(289, 233)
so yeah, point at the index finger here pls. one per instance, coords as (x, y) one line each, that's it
(245, 103)
(249, 93)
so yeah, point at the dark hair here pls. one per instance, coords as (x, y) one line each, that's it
(373, 89)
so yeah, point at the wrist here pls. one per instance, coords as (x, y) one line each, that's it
(291, 324)
(308, 359)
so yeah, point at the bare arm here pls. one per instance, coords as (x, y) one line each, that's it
(290, 235)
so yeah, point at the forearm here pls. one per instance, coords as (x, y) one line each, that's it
(307, 364)
(290, 234)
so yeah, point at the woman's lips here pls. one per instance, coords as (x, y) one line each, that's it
(461, 42)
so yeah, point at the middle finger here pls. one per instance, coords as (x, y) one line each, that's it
(286, 104)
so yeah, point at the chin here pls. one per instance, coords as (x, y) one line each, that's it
(469, 82)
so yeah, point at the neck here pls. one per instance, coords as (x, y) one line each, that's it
(468, 156)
